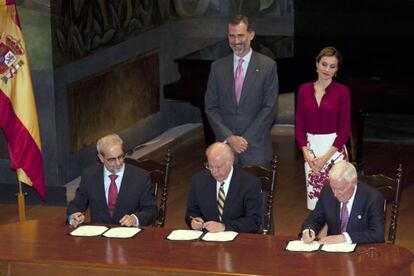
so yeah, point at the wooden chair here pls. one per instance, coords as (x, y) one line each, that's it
(355, 141)
(390, 188)
(268, 179)
(159, 174)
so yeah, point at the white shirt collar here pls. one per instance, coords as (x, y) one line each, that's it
(246, 58)
(119, 174)
(351, 199)
(118, 180)
(226, 182)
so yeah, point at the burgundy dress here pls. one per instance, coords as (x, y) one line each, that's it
(320, 127)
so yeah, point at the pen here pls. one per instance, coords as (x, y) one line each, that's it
(80, 214)
(199, 220)
(311, 152)
(310, 233)
(196, 219)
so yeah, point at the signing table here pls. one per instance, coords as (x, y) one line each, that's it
(45, 248)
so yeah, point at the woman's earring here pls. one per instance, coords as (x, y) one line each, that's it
(336, 75)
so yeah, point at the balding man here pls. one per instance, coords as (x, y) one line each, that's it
(115, 192)
(353, 211)
(224, 198)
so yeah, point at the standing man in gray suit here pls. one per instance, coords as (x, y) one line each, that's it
(241, 97)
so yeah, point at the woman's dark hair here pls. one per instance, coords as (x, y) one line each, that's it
(329, 52)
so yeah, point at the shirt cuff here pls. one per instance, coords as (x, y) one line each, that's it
(136, 219)
(347, 237)
(307, 229)
(70, 219)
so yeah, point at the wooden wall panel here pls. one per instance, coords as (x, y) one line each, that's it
(113, 100)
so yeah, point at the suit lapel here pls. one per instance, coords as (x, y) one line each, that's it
(231, 193)
(211, 196)
(123, 191)
(249, 77)
(230, 72)
(357, 210)
(338, 216)
(99, 180)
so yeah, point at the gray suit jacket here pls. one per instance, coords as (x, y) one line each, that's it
(252, 118)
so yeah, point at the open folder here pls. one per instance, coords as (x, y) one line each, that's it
(95, 230)
(301, 246)
(196, 235)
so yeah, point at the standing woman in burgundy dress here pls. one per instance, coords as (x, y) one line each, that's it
(322, 122)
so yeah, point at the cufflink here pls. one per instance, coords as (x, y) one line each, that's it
(359, 217)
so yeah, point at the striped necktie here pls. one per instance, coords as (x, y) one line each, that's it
(220, 200)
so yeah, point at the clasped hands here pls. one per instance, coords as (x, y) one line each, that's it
(308, 236)
(198, 223)
(316, 163)
(238, 143)
(78, 218)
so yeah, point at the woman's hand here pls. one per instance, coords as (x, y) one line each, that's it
(319, 163)
(309, 158)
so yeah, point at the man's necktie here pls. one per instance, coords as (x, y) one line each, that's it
(239, 79)
(112, 194)
(344, 217)
(220, 200)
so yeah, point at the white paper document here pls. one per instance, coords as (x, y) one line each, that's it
(88, 231)
(191, 235)
(184, 235)
(299, 245)
(220, 236)
(121, 232)
(339, 247)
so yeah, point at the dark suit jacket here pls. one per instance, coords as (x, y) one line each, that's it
(243, 205)
(136, 196)
(253, 117)
(366, 220)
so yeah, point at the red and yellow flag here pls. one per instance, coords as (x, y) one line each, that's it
(18, 115)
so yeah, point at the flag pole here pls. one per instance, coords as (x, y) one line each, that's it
(21, 203)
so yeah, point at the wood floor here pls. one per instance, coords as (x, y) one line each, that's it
(290, 205)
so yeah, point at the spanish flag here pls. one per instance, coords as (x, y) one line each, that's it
(18, 115)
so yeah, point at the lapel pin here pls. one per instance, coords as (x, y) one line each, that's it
(359, 217)
(257, 70)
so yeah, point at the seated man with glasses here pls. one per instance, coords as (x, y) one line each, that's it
(223, 197)
(115, 192)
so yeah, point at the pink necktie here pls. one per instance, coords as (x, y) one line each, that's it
(239, 78)
(344, 217)
(112, 194)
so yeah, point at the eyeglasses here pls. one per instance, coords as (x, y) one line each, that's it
(114, 159)
(370, 251)
(208, 167)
